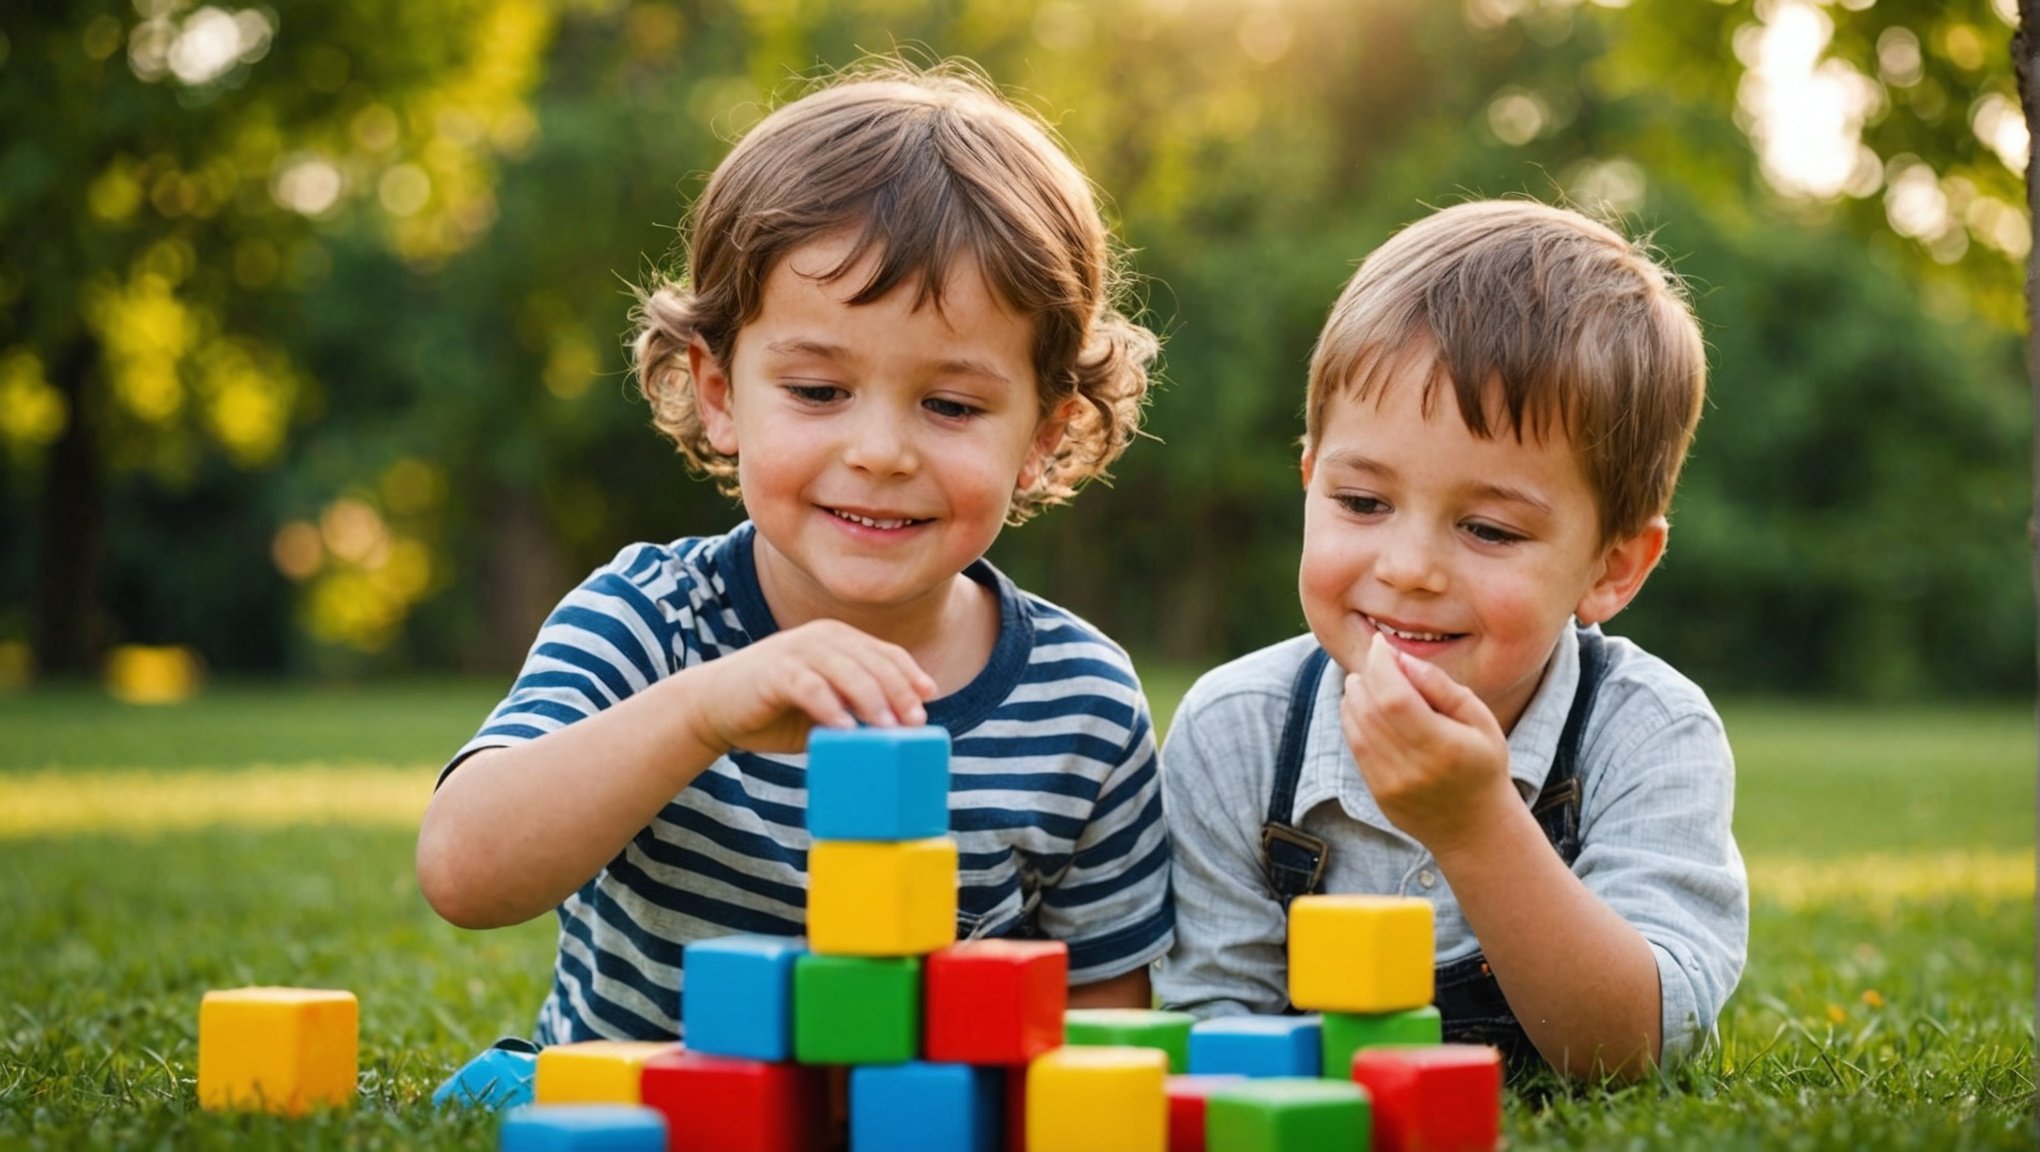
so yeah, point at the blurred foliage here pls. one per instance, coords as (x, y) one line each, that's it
(323, 306)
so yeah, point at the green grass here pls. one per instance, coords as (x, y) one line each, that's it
(1869, 1017)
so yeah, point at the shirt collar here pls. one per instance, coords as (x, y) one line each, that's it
(1330, 772)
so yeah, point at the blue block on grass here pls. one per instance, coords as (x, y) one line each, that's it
(582, 1128)
(498, 1078)
(737, 999)
(1257, 1046)
(917, 1105)
(878, 783)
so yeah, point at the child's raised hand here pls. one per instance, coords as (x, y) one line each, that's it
(1429, 748)
(766, 697)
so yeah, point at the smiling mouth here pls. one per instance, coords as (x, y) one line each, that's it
(880, 522)
(1409, 635)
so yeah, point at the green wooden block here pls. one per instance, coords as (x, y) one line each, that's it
(1286, 1114)
(856, 1009)
(1346, 1033)
(1132, 1028)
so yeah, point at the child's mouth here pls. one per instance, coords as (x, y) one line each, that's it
(881, 523)
(1410, 635)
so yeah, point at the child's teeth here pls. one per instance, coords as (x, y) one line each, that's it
(868, 522)
(1400, 634)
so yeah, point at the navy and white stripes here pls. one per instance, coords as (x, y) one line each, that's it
(1055, 802)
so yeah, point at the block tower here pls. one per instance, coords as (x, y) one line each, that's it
(926, 1028)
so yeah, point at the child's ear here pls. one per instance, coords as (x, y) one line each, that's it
(1048, 436)
(1624, 565)
(1309, 466)
(712, 397)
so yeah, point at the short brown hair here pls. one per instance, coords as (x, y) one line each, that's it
(1538, 317)
(927, 167)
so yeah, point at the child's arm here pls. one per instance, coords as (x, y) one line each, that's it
(1438, 764)
(508, 841)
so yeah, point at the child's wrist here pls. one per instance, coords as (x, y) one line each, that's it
(1487, 828)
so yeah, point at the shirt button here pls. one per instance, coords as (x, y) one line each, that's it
(1427, 877)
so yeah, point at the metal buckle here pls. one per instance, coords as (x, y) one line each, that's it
(1295, 837)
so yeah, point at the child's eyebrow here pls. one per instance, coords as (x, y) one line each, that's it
(822, 349)
(1512, 495)
(1486, 489)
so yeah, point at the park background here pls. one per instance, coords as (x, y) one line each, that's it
(313, 400)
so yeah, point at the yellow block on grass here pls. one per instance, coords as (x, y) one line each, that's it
(1360, 953)
(1098, 1100)
(595, 1071)
(870, 898)
(285, 1050)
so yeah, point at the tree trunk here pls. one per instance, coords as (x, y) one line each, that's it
(2026, 66)
(525, 579)
(68, 624)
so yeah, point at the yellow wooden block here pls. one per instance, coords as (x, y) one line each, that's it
(869, 898)
(595, 1071)
(1098, 1100)
(1360, 953)
(285, 1050)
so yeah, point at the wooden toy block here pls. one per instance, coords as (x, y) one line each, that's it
(498, 1078)
(996, 1001)
(856, 1009)
(721, 1104)
(738, 996)
(1168, 1032)
(594, 1071)
(1187, 1095)
(1359, 953)
(1288, 1115)
(1346, 1033)
(881, 899)
(918, 1106)
(582, 1128)
(285, 1050)
(878, 783)
(1103, 1099)
(1258, 1046)
(1442, 1098)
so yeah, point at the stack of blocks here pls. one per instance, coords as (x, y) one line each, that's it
(966, 1046)
(1364, 1070)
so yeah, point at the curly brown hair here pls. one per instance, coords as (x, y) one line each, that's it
(928, 167)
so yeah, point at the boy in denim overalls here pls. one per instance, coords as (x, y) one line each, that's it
(1498, 408)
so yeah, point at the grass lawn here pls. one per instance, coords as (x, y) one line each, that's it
(263, 835)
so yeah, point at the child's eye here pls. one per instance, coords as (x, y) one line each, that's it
(1361, 505)
(814, 393)
(950, 409)
(1489, 533)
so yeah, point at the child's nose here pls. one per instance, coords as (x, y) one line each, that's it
(881, 442)
(1410, 559)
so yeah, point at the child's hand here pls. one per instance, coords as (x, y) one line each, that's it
(766, 697)
(1430, 750)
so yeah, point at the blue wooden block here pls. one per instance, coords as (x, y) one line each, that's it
(738, 996)
(1257, 1046)
(498, 1078)
(921, 1107)
(878, 783)
(582, 1128)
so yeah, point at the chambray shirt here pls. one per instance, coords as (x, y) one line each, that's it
(1659, 789)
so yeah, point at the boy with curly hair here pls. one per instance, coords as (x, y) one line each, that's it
(897, 334)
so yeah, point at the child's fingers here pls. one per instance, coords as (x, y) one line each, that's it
(1444, 694)
(811, 692)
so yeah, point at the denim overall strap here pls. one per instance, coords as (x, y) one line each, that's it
(1469, 998)
(1293, 859)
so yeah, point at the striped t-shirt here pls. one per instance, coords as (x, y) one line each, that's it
(1054, 801)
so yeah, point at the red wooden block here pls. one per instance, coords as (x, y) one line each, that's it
(1186, 1108)
(995, 1001)
(724, 1104)
(1437, 1098)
